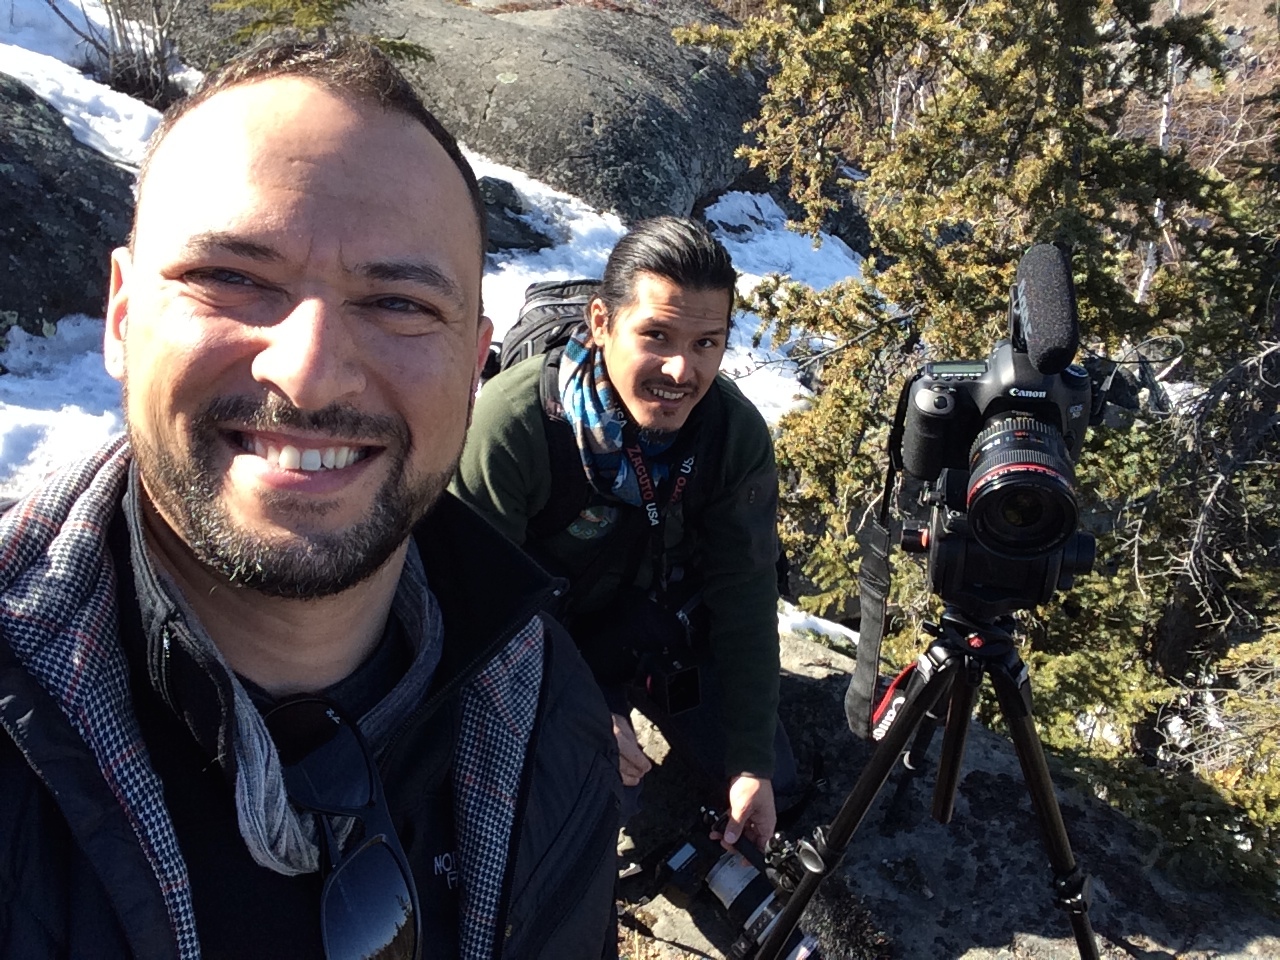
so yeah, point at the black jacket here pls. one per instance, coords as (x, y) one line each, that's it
(74, 881)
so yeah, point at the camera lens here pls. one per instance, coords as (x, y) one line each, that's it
(1020, 499)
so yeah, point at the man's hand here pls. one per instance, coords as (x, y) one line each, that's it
(751, 812)
(632, 763)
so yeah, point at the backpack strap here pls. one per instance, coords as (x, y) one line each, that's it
(570, 492)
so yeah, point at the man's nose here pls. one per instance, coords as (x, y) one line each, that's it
(310, 356)
(676, 367)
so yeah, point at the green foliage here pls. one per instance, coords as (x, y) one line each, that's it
(982, 128)
(310, 18)
(1199, 832)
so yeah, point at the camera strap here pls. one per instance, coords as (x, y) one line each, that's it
(874, 577)
(875, 574)
(655, 502)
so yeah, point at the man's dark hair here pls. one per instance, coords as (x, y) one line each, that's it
(343, 65)
(677, 249)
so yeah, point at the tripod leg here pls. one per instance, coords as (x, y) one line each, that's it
(932, 679)
(964, 693)
(1070, 884)
(913, 760)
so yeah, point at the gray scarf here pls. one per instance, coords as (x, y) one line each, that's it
(276, 834)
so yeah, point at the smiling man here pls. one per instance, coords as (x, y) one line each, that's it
(670, 542)
(266, 690)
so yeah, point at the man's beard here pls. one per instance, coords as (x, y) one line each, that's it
(187, 490)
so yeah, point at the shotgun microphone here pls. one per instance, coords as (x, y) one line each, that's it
(1042, 310)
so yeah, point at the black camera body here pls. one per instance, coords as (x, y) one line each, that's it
(995, 441)
(750, 887)
(950, 401)
(670, 680)
(639, 640)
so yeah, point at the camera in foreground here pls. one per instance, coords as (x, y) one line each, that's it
(748, 888)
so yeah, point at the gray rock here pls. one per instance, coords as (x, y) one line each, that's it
(978, 888)
(508, 219)
(65, 207)
(205, 38)
(597, 101)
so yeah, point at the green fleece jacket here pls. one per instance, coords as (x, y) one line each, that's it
(730, 545)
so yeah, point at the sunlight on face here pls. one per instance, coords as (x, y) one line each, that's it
(664, 349)
(297, 330)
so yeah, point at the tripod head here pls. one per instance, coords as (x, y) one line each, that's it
(975, 635)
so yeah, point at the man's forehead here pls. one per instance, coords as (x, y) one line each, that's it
(271, 114)
(660, 292)
(287, 147)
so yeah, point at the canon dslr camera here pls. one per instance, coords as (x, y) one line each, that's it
(996, 440)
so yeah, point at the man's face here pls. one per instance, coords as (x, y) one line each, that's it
(297, 331)
(663, 350)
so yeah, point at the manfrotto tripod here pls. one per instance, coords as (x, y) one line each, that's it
(950, 671)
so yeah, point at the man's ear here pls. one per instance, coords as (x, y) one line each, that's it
(483, 339)
(117, 312)
(598, 320)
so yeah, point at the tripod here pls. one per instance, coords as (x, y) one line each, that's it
(962, 652)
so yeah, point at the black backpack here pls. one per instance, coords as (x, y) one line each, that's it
(552, 312)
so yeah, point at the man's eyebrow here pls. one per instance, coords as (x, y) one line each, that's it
(219, 241)
(423, 273)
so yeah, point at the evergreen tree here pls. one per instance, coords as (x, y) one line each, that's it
(978, 129)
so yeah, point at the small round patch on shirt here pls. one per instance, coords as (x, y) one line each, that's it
(593, 522)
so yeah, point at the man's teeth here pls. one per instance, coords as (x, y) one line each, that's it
(666, 394)
(310, 459)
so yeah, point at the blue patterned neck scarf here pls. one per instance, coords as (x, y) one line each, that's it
(599, 421)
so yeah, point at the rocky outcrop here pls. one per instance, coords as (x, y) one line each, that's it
(596, 100)
(65, 207)
(507, 220)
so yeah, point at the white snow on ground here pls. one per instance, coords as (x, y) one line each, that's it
(55, 28)
(99, 117)
(753, 229)
(39, 48)
(793, 620)
(56, 402)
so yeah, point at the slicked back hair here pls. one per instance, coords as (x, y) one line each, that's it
(345, 66)
(677, 249)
